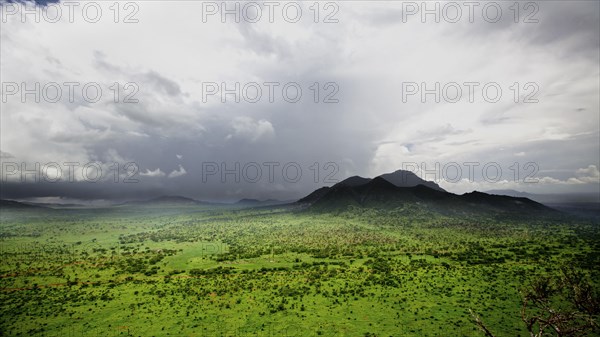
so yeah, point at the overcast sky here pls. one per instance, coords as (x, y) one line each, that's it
(369, 60)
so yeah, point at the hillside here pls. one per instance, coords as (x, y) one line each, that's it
(381, 193)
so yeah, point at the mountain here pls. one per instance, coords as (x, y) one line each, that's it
(315, 195)
(585, 205)
(319, 193)
(172, 200)
(353, 181)
(511, 193)
(255, 202)
(503, 202)
(54, 205)
(399, 178)
(557, 198)
(11, 204)
(357, 190)
(402, 178)
(378, 192)
(247, 201)
(381, 193)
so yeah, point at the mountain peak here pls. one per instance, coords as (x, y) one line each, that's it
(166, 200)
(401, 187)
(403, 178)
(353, 181)
(173, 198)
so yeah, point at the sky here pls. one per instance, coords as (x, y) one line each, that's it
(494, 96)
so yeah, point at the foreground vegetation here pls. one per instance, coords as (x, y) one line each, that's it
(200, 271)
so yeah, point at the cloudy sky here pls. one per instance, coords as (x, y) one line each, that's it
(517, 103)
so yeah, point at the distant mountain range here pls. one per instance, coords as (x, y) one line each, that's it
(403, 187)
(175, 200)
(11, 204)
(168, 200)
(398, 178)
(551, 198)
(184, 201)
(581, 204)
(390, 190)
(256, 202)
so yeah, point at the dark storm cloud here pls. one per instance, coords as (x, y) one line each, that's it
(572, 26)
(171, 134)
(81, 191)
(561, 20)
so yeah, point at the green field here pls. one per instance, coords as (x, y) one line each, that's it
(280, 271)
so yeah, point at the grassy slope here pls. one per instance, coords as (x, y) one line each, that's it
(199, 271)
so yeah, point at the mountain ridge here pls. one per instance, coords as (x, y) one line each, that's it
(379, 192)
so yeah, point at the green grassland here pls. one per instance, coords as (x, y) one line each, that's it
(279, 271)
